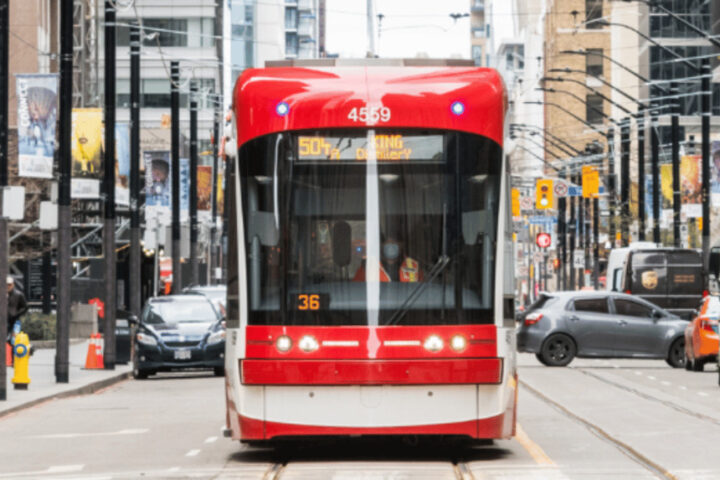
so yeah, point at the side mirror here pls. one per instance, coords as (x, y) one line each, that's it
(133, 320)
(657, 315)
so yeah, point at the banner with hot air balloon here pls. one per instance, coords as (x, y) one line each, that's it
(690, 185)
(87, 152)
(36, 119)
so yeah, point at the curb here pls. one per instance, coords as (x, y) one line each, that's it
(86, 389)
(45, 344)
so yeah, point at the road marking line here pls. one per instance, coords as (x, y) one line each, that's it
(65, 468)
(702, 394)
(638, 372)
(129, 431)
(683, 387)
(211, 439)
(651, 377)
(174, 469)
(532, 448)
(192, 453)
(665, 382)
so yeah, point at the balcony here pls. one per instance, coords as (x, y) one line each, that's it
(306, 5)
(478, 32)
(478, 6)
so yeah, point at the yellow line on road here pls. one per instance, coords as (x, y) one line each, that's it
(532, 448)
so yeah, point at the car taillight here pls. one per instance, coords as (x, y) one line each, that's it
(533, 318)
(706, 293)
(628, 292)
(708, 325)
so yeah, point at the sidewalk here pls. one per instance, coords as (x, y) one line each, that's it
(42, 379)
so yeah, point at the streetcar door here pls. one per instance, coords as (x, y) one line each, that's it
(592, 326)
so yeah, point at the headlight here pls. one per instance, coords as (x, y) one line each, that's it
(433, 344)
(283, 343)
(216, 337)
(308, 344)
(458, 343)
(146, 339)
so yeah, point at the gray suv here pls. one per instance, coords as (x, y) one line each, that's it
(560, 326)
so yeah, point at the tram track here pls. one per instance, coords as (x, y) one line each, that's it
(460, 469)
(647, 396)
(653, 467)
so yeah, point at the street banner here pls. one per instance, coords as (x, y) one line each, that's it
(122, 164)
(36, 119)
(220, 194)
(690, 184)
(184, 190)
(157, 186)
(204, 191)
(87, 152)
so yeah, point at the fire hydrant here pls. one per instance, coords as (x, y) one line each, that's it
(21, 349)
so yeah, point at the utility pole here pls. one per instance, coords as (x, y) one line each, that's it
(707, 112)
(109, 180)
(213, 228)
(675, 133)
(135, 254)
(573, 235)
(371, 28)
(612, 194)
(193, 184)
(562, 236)
(4, 247)
(596, 244)
(640, 121)
(175, 146)
(655, 167)
(625, 185)
(580, 232)
(64, 160)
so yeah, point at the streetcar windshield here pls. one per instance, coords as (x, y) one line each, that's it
(370, 227)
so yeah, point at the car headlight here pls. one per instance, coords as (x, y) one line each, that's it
(458, 343)
(433, 344)
(146, 339)
(216, 337)
(308, 344)
(283, 343)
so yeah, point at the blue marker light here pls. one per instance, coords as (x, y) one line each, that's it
(457, 108)
(282, 109)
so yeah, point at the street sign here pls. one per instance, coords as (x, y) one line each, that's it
(543, 240)
(539, 220)
(526, 203)
(579, 259)
(538, 257)
(574, 191)
(560, 188)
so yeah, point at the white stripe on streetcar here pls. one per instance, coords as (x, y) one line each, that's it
(340, 343)
(401, 343)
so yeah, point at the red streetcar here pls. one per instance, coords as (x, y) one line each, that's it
(370, 287)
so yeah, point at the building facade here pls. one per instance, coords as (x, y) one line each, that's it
(478, 32)
(273, 30)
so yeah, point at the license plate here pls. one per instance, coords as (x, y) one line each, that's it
(182, 354)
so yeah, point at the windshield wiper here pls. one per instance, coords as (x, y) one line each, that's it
(439, 266)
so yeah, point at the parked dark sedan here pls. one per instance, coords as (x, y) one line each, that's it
(563, 325)
(176, 332)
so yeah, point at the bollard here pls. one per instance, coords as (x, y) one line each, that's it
(21, 379)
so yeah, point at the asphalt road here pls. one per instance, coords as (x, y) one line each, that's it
(596, 419)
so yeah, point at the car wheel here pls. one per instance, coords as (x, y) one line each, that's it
(558, 350)
(219, 371)
(688, 363)
(139, 373)
(540, 358)
(676, 355)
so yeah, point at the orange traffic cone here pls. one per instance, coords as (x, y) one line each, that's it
(99, 352)
(91, 357)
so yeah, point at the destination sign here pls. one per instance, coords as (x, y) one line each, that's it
(383, 148)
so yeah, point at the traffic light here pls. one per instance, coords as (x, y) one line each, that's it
(556, 263)
(544, 194)
(515, 202)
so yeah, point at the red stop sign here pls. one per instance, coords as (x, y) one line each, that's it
(543, 240)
